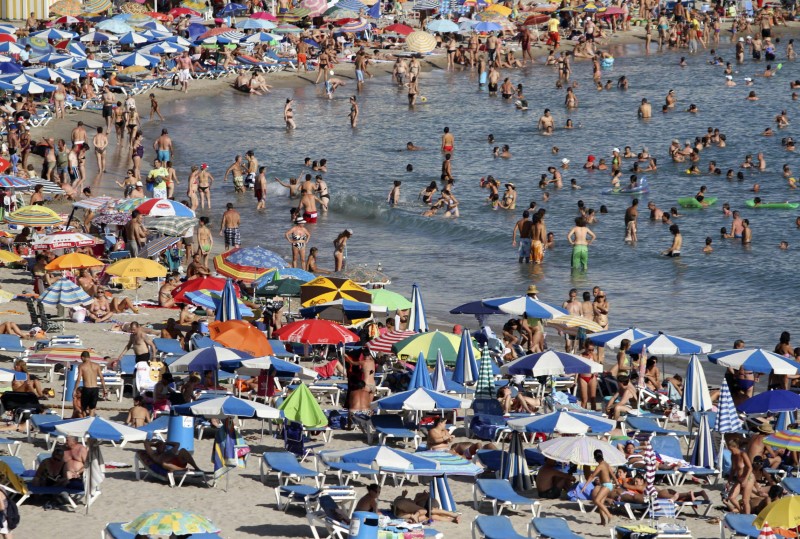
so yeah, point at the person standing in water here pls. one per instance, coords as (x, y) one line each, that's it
(580, 237)
(340, 249)
(260, 190)
(353, 112)
(677, 241)
(394, 195)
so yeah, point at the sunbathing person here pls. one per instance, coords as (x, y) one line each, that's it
(675, 496)
(520, 403)
(10, 328)
(168, 455)
(30, 385)
(550, 481)
(138, 415)
(438, 436)
(416, 510)
(469, 449)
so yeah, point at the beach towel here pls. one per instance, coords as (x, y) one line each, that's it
(576, 494)
(229, 449)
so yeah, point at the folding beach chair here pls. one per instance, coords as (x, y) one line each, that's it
(174, 478)
(500, 494)
(392, 426)
(551, 528)
(308, 496)
(285, 466)
(330, 517)
(738, 525)
(494, 527)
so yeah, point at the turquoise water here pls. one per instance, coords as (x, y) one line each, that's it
(733, 293)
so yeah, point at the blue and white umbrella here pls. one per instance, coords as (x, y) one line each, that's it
(442, 26)
(525, 306)
(420, 400)
(611, 338)
(420, 378)
(514, 465)
(115, 26)
(136, 59)
(207, 359)
(466, 368)
(441, 382)
(728, 419)
(54, 34)
(65, 292)
(262, 37)
(440, 492)
(551, 363)
(10, 48)
(755, 360)
(783, 420)
(695, 391)
(10, 68)
(379, 456)
(97, 37)
(465, 26)
(163, 48)
(487, 26)
(255, 24)
(416, 319)
(68, 75)
(35, 88)
(231, 8)
(350, 5)
(484, 386)
(98, 428)
(669, 345)
(156, 27)
(227, 407)
(564, 422)
(76, 49)
(703, 452)
(231, 36)
(777, 400)
(228, 305)
(210, 299)
(132, 38)
(169, 38)
(53, 58)
(254, 366)
(45, 73)
(154, 35)
(86, 63)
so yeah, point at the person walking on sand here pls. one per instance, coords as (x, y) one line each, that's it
(185, 70)
(154, 108)
(229, 227)
(89, 372)
(100, 143)
(580, 237)
(601, 492)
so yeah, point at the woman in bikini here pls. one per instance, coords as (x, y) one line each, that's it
(427, 194)
(587, 383)
(133, 124)
(119, 122)
(137, 152)
(651, 374)
(604, 489)
(339, 246)
(741, 479)
(30, 384)
(298, 237)
(59, 97)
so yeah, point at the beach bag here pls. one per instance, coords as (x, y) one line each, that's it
(576, 494)
(337, 420)
(11, 513)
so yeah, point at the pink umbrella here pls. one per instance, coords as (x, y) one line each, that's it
(316, 7)
(613, 10)
(264, 15)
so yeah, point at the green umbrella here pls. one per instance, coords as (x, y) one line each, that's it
(484, 387)
(302, 407)
(391, 300)
(287, 288)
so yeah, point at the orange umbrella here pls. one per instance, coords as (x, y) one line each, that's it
(242, 336)
(73, 261)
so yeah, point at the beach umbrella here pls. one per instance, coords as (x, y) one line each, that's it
(571, 324)
(156, 27)
(286, 28)
(13, 182)
(257, 257)
(441, 494)
(231, 8)
(420, 400)
(177, 227)
(54, 34)
(612, 338)
(391, 300)
(785, 439)
(466, 368)
(153, 35)
(9, 68)
(315, 7)
(207, 359)
(64, 354)
(727, 418)
(77, 50)
(756, 360)
(669, 345)
(52, 58)
(10, 48)
(255, 24)
(417, 321)
(354, 27)
(564, 422)
(97, 37)
(136, 59)
(342, 310)
(383, 344)
(163, 48)
(115, 26)
(476, 308)
(439, 380)
(175, 40)
(64, 240)
(703, 452)
(362, 274)
(240, 335)
(514, 465)
(228, 406)
(71, 8)
(137, 19)
(66, 293)
(129, 204)
(487, 26)
(378, 457)
(262, 37)
(425, 5)
(238, 272)
(766, 532)
(484, 386)
(31, 88)
(777, 400)
(211, 299)
(784, 419)
(397, 28)
(87, 64)
(231, 36)
(325, 289)
(47, 74)
(7, 257)
(500, 9)
(420, 377)
(181, 11)
(315, 332)
(132, 38)
(98, 428)
(301, 407)
(265, 15)
(442, 26)
(229, 304)
(169, 523)
(419, 41)
(133, 7)
(579, 450)
(286, 273)
(287, 288)
(782, 513)
(254, 366)
(525, 306)
(162, 207)
(695, 392)
(71, 261)
(142, 268)
(96, 6)
(551, 363)
(68, 75)
(199, 283)
(429, 343)
(650, 467)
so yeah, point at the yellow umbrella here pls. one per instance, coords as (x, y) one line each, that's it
(73, 261)
(142, 268)
(570, 323)
(783, 513)
(419, 41)
(326, 289)
(11, 479)
(7, 257)
(498, 8)
(34, 216)
(133, 7)
(67, 7)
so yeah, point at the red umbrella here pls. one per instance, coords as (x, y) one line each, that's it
(180, 11)
(214, 32)
(613, 10)
(383, 344)
(200, 283)
(68, 19)
(342, 22)
(315, 332)
(534, 20)
(399, 29)
(263, 15)
(158, 16)
(7, 38)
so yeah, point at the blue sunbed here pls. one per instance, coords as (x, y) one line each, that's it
(648, 426)
(792, 484)
(500, 494)
(495, 527)
(552, 528)
(161, 423)
(11, 343)
(391, 426)
(169, 347)
(741, 524)
(284, 464)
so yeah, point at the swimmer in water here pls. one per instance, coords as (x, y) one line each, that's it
(394, 195)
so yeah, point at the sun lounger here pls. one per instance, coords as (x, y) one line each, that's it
(113, 530)
(281, 62)
(696, 506)
(11, 343)
(142, 470)
(552, 528)
(494, 527)
(329, 516)
(13, 445)
(308, 496)
(169, 348)
(670, 446)
(15, 464)
(391, 426)
(264, 67)
(500, 494)
(792, 484)
(157, 428)
(649, 426)
(285, 466)
(346, 471)
(739, 525)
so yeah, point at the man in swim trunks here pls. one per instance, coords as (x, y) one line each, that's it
(580, 237)
(163, 146)
(89, 372)
(737, 227)
(308, 204)
(525, 229)
(108, 107)
(185, 70)
(237, 168)
(550, 481)
(229, 227)
(140, 342)
(448, 141)
(78, 137)
(252, 169)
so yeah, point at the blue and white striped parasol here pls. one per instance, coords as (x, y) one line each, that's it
(231, 36)
(228, 304)
(351, 5)
(563, 422)
(756, 360)
(416, 319)
(484, 386)
(255, 24)
(695, 391)
(420, 400)
(209, 299)
(132, 38)
(525, 306)
(420, 377)
(379, 456)
(440, 492)
(207, 359)
(54, 34)
(228, 407)
(31, 87)
(466, 368)
(727, 417)
(551, 363)
(669, 345)
(65, 292)
(97, 37)
(612, 338)
(136, 59)
(513, 465)
(439, 381)
(99, 429)
(703, 452)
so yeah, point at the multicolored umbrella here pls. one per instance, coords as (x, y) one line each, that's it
(209, 299)
(786, 439)
(570, 324)
(354, 27)
(96, 6)
(728, 419)
(417, 321)
(696, 395)
(325, 289)
(766, 532)
(419, 41)
(73, 261)
(466, 368)
(67, 7)
(170, 522)
(13, 182)
(65, 292)
(428, 344)
(383, 344)
(514, 465)
(286, 28)
(302, 407)
(241, 336)
(64, 354)
(315, 332)
(285, 273)
(162, 207)
(315, 7)
(484, 385)
(579, 450)
(64, 240)
(200, 283)
(133, 7)
(34, 216)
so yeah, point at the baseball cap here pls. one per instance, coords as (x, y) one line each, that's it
(204, 165)
(615, 150)
(565, 161)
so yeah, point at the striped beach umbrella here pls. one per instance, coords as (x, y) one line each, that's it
(416, 319)
(325, 289)
(66, 293)
(728, 419)
(695, 392)
(441, 493)
(35, 88)
(237, 271)
(564, 422)
(419, 41)
(514, 465)
(231, 36)
(579, 450)
(162, 207)
(64, 354)
(766, 532)
(163, 48)
(703, 452)
(551, 363)
(669, 345)
(229, 304)
(484, 386)
(650, 466)
(132, 38)
(756, 360)
(420, 377)
(525, 306)
(72, 8)
(211, 299)
(384, 343)
(34, 216)
(352, 5)
(97, 37)
(13, 182)
(262, 37)
(420, 400)
(64, 240)
(315, 7)
(54, 34)
(295, 274)
(96, 6)
(466, 368)
(229, 406)
(439, 380)
(136, 59)
(425, 5)
(207, 359)
(785, 439)
(200, 283)
(379, 456)
(286, 28)
(171, 226)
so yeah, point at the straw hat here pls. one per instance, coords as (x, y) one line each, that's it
(765, 428)
(532, 289)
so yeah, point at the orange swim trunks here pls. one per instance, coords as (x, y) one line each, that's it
(302, 58)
